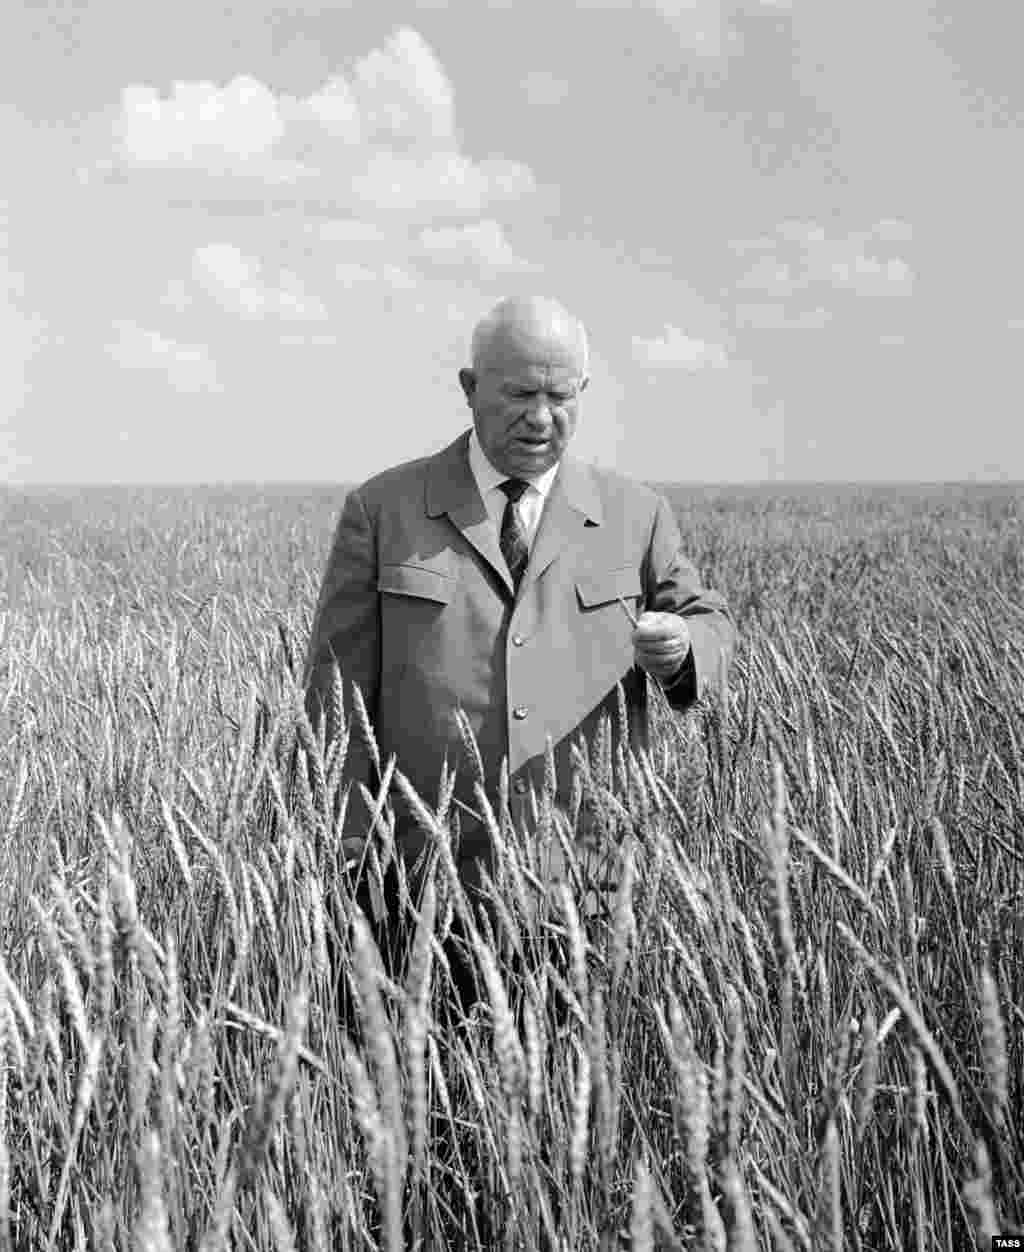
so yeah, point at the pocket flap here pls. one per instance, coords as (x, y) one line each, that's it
(600, 586)
(416, 580)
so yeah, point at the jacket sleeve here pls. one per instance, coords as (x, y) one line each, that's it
(672, 585)
(346, 626)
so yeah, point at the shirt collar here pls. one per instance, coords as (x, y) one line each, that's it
(487, 477)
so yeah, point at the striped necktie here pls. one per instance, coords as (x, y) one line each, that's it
(514, 547)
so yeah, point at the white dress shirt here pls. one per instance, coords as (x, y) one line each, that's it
(489, 480)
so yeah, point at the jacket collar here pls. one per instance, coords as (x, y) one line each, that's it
(451, 486)
(488, 477)
(573, 501)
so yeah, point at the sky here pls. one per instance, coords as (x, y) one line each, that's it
(250, 242)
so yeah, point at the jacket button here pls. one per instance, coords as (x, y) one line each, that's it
(518, 640)
(519, 713)
(519, 786)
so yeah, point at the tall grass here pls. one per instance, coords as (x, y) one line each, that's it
(799, 1025)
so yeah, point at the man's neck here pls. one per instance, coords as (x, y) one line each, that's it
(530, 478)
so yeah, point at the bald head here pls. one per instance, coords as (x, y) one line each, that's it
(529, 371)
(526, 325)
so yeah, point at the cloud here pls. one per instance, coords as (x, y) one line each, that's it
(869, 274)
(351, 274)
(802, 255)
(435, 184)
(758, 244)
(348, 230)
(772, 315)
(768, 273)
(23, 334)
(236, 281)
(544, 90)
(473, 249)
(893, 230)
(481, 247)
(401, 93)
(198, 123)
(381, 139)
(673, 349)
(187, 366)
(712, 30)
(701, 25)
(805, 233)
(178, 295)
(1015, 323)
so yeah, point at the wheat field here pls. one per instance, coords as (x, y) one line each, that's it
(800, 1027)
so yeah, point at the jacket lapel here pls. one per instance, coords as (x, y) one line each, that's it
(452, 490)
(573, 501)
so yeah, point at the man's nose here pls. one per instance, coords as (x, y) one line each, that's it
(539, 414)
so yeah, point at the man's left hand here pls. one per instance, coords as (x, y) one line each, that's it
(661, 643)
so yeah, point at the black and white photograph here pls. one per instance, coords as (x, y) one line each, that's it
(511, 626)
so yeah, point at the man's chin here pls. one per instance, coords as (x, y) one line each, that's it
(531, 458)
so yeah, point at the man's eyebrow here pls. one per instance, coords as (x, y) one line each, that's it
(560, 389)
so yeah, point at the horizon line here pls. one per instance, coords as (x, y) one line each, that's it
(317, 484)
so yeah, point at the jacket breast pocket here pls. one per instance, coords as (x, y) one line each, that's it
(416, 581)
(415, 620)
(596, 588)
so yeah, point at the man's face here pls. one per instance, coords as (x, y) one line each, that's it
(525, 403)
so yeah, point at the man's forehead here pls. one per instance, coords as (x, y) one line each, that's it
(537, 373)
(534, 357)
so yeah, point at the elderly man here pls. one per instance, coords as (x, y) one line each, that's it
(489, 577)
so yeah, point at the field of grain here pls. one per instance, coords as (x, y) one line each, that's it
(800, 1028)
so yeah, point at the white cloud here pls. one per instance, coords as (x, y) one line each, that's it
(348, 230)
(402, 93)
(350, 274)
(701, 25)
(757, 244)
(198, 123)
(713, 29)
(381, 139)
(804, 255)
(178, 296)
(434, 184)
(806, 233)
(544, 90)
(23, 334)
(673, 349)
(772, 315)
(768, 273)
(315, 340)
(186, 366)
(894, 230)
(236, 281)
(869, 274)
(1015, 323)
(481, 247)
(474, 249)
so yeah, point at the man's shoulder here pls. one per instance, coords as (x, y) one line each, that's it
(400, 479)
(618, 488)
(396, 477)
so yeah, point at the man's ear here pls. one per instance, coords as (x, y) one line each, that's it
(467, 380)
